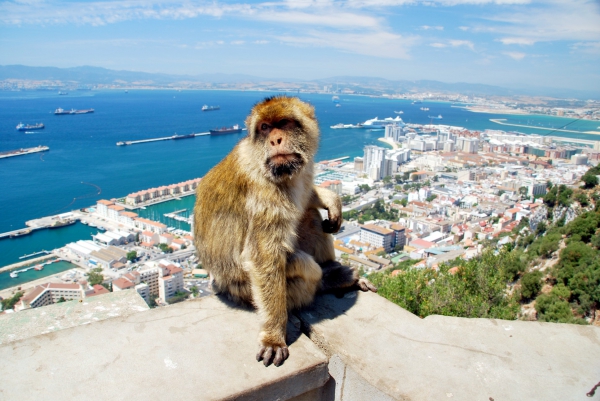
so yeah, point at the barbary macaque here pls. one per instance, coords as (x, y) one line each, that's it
(257, 225)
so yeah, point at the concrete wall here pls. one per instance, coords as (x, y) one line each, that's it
(359, 347)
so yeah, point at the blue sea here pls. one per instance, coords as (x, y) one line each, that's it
(84, 164)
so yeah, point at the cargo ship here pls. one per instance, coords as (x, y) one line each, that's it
(60, 111)
(226, 130)
(210, 108)
(27, 127)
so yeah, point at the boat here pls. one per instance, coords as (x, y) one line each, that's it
(375, 123)
(63, 93)
(338, 105)
(417, 102)
(343, 126)
(226, 130)
(26, 127)
(29, 132)
(425, 108)
(101, 228)
(438, 117)
(398, 112)
(14, 274)
(335, 99)
(62, 223)
(121, 143)
(210, 108)
(38, 267)
(20, 233)
(84, 222)
(183, 136)
(61, 111)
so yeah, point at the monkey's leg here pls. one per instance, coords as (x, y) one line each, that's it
(303, 278)
(314, 241)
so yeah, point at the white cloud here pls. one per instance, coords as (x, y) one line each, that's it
(427, 27)
(517, 41)
(237, 42)
(515, 55)
(458, 43)
(554, 20)
(337, 20)
(438, 45)
(377, 44)
(260, 42)
(588, 47)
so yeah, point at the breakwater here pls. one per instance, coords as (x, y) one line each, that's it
(165, 138)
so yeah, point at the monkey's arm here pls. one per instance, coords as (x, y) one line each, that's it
(265, 254)
(325, 199)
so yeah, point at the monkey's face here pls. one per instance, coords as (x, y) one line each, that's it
(285, 136)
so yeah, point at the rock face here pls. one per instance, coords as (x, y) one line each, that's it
(541, 214)
(567, 212)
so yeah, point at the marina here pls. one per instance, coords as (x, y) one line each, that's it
(166, 138)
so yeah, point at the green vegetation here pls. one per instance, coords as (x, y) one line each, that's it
(377, 211)
(476, 289)
(95, 276)
(178, 297)
(590, 179)
(10, 303)
(131, 256)
(165, 248)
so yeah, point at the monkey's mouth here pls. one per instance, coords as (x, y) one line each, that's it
(284, 164)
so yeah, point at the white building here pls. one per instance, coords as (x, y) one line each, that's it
(378, 237)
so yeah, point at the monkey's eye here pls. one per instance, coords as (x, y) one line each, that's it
(264, 127)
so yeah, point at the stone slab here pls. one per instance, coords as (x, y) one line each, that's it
(196, 350)
(439, 357)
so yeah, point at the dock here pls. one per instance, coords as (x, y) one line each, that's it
(24, 151)
(166, 138)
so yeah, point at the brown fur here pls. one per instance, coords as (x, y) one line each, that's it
(257, 228)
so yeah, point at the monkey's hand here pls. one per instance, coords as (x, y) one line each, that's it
(276, 353)
(330, 201)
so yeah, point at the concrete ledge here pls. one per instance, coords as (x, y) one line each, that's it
(196, 350)
(380, 348)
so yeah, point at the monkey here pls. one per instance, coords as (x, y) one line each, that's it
(257, 226)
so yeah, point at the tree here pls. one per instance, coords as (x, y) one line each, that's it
(387, 180)
(60, 300)
(165, 248)
(10, 303)
(95, 276)
(531, 284)
(430, 198)
(404, 202)
(590, 180)
(523, 192)
(132, 255)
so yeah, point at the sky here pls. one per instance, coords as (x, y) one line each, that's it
(511, 43)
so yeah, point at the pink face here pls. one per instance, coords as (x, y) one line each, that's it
(282, 139)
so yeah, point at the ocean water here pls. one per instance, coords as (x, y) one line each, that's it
(84, 164)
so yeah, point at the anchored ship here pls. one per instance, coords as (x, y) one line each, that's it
(26, 127)
(60, 111)
(62, 223)
(226, 130)
(210, 108)
(438, 117)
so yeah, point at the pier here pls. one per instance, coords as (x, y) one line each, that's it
(34, 254)
(166, 138)
(22, 152)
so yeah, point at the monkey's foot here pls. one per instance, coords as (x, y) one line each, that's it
(272, 353)
(365, 285)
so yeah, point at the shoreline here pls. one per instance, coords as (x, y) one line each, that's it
(501, 122)
(389, 142)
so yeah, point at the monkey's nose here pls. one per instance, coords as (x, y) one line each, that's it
(278, 142)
